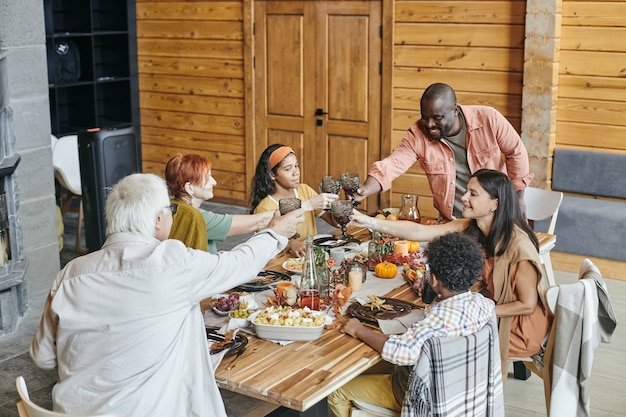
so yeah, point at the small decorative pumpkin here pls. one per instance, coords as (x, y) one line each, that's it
(414, 246)
(386, 270)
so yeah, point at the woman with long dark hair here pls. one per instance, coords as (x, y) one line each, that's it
(513, 275)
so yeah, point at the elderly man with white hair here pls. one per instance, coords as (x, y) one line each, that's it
(123, 324)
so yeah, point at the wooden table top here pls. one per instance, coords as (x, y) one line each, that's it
(301, 374)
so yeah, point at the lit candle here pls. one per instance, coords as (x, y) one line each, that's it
(355, 279)
(401, 247)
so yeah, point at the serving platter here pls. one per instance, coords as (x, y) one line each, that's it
(264, 281)
(240, 342)
(364, 313)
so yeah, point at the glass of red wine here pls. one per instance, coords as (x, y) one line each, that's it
(342, 209)
(350, 182)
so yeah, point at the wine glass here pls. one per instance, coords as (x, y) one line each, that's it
(342, 209)
(350, 182)
(330, 185)
(285, 205)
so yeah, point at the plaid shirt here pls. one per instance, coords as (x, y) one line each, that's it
(460, 315)
(457, 377)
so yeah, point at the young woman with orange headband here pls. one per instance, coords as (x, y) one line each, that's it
(278, 176)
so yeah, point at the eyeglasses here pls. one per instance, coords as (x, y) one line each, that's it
(173, 207)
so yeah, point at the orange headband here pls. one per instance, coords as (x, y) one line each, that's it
(278, 155)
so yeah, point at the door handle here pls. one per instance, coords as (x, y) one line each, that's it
(320, 112)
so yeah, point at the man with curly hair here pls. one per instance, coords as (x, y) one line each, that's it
(456, 262)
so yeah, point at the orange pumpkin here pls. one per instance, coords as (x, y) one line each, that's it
(385, 270)
(414, 246)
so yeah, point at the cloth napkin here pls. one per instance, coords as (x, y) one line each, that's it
(401, 324)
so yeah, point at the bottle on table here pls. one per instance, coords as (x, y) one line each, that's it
(309, 283)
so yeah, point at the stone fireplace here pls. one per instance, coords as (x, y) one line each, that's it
(12, 265)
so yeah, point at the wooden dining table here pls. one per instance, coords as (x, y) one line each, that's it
(300, 375)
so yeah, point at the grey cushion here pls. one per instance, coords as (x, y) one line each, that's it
(592, 227)
(587, 172)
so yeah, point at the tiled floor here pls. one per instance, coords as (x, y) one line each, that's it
(522, 398)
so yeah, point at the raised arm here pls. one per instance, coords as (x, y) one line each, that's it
(249, 223)
(406, 229)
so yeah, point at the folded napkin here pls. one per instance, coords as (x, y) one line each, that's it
(400, 325)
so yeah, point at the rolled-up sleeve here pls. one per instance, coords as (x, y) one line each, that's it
(515, 153)
(396, 164)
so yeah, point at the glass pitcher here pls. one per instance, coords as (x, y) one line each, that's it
(409, 210)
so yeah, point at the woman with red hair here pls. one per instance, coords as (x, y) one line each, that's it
(190, 183)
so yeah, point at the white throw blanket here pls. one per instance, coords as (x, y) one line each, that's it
(584, 318)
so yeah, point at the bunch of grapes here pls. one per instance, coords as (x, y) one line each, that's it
(228, 303)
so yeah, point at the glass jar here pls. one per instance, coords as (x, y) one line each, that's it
(354, 270)
(409, 209)
(374, 255)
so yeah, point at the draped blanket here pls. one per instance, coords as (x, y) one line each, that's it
(457, 376)
(584, 318)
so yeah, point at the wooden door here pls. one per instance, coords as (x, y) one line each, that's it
(318, 83)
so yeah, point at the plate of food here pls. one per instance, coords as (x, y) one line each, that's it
(264, 281)
(294, 265)
(219, 342)
(380, 309)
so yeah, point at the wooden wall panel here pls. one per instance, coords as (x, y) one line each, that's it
(454, 12)
(193, 94)
(191, 85)
(591, 84)
(591, 106)
(475, 46)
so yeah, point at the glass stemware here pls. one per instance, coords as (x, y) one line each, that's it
(285, 205)
(342, 209)
(330, 185)
(350, 182)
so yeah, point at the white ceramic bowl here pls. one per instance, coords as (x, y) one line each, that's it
(267, 331)
(391, 210)
(239, 322)
(278, 332)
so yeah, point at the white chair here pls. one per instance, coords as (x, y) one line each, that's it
(67, 172)
(542, 205)
(27, 408)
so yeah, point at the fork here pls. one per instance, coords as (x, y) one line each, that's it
(232, 364)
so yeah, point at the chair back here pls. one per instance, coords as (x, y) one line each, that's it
(543, 204)
(458, 376)
(568, 358)
(27, 408)
(66, 163)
